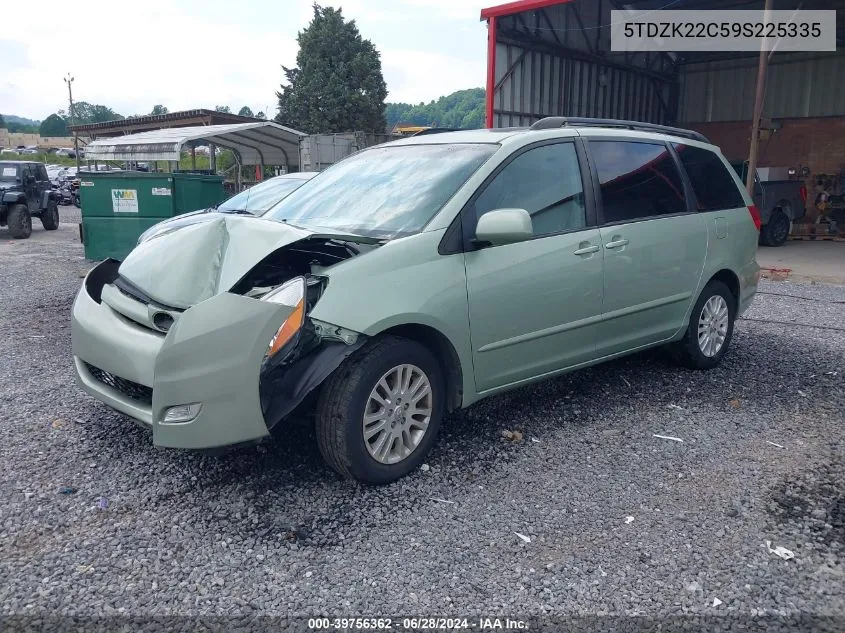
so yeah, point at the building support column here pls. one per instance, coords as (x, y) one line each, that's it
(759, 96)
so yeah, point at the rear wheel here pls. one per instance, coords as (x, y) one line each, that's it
(50, 216)
(19, 221)
(710, 328)
(776, 230)
(379, 413)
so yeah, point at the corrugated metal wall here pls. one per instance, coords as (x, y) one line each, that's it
(540, 84)
(799, 85)
(556, 62)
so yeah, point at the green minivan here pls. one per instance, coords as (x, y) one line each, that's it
(417, 277)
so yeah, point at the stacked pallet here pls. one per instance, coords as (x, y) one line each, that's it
(820, 231)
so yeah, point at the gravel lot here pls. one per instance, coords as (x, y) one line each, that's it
(95, 521)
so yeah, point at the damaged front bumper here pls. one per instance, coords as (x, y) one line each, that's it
(213, 355)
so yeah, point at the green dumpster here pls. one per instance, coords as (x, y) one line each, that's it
(118, 206)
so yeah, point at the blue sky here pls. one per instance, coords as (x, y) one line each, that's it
(201, 53)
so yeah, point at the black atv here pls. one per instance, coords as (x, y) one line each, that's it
(26, 192)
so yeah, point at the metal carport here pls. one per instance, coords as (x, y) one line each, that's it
(260, 143)
(553, 57)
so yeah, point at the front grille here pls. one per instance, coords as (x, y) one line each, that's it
(128, 388)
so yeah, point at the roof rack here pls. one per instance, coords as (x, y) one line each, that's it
(551, 122)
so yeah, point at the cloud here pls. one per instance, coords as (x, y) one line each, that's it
(410, 74)
(191, 53)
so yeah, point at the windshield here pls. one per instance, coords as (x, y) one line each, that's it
(8, 172)
(258, 198)
(385, 192)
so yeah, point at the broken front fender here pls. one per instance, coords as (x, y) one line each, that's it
(212, 355)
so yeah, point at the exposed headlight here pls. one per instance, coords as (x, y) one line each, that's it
(290, 293)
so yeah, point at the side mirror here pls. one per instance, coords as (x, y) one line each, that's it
(504, 226)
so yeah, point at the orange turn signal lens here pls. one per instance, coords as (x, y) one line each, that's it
(291, 294)
(289, 328)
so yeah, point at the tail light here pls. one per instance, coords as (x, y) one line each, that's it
(803, 191)
(755, 215)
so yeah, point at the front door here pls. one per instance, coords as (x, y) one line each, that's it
(654, 246)
(534, 305)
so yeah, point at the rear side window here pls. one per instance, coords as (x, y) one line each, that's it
(714, 188)
(638, 180)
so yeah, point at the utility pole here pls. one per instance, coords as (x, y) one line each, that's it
(69, 80)
(759, 96)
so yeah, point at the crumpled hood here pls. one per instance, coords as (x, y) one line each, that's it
(184, 219)
(196, 262)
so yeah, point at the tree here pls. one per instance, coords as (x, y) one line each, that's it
(159, 109)
(337, 84)
(461, 109)
(2, 121)
(222, 109)
(53, 125)
(245, 111)
(84, 112)
(261, 115)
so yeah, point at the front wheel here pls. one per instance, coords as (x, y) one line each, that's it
(50, 216)
(379, 413)
(19, 221)
(710, 328)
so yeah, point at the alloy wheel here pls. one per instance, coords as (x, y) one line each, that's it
(713, 325)
(397, 414)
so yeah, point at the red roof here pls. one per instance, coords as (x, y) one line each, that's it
(518, 7)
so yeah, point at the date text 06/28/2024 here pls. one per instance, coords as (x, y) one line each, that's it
(417, 624)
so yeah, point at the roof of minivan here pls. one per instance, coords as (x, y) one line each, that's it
(483, 135)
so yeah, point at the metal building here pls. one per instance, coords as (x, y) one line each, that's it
(553, 57)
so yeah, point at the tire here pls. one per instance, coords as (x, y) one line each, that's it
(19, 222)
(50, 216)
(346, 396)
(776, 231)
(692, 351)
(76, 201)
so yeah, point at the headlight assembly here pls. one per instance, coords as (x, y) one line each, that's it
(291, 293)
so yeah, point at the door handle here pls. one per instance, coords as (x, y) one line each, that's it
(616, 243)
(586, 250)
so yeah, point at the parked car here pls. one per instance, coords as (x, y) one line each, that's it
(26, 192)
(418, 277)
(781, 202)
(256, 200)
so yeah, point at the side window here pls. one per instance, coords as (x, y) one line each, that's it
(42, 173)
(28, 172)
(714, 188)
(546, 182)
(638, 180)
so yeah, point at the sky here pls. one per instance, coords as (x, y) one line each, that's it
(201, 53)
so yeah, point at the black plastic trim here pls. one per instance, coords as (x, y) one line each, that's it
(283, 386)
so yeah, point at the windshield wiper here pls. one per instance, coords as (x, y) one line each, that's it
(237, 211)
